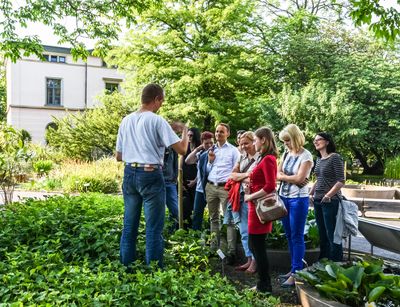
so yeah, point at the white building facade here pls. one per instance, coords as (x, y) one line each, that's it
(39, 90)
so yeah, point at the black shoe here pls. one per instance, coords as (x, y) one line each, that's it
(230, 259)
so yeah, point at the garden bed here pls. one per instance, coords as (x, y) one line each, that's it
(66, 252)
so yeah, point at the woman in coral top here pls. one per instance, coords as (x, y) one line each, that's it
(262, 184)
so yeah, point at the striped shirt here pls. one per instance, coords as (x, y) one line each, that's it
(328, 171)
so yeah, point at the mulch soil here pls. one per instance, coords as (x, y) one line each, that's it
(242, 280)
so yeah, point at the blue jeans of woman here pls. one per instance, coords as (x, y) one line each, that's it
(198, 210)
(325, 215)
(145, 188)
(244, 228)
(294, 224)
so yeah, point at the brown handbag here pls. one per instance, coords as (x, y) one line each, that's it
(271, 209)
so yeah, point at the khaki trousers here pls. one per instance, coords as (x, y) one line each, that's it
(217, 198)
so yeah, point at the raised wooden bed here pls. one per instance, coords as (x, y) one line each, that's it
(368, 191)
(280, 259)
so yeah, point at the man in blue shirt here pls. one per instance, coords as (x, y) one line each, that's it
(141, 142)
(222, 158)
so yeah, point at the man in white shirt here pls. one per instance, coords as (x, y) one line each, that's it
(222, 158)
(141, 142)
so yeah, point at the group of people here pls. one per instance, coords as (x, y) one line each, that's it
(228, 178)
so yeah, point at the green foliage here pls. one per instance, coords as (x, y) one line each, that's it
(388, 24)
(94, 19)
(200, 51)
(91, 134)
(66, 252)
(14, 157)
(103, 176)
(3, 89)
(348, 85)
(392, 168)
(47, 153)
(353, 284)
(42, 167)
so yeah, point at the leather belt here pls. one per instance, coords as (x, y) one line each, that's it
(217, 184)
(143, 165)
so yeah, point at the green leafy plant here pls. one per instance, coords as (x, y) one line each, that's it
(14, 157)
(42, 167)
(392, 168)
(354, 284)
(66, 252)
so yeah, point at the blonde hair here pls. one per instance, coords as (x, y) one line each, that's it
(295, 135)
(270, 144)
(248, 135)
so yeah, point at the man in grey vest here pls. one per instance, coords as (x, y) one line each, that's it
(141, 142)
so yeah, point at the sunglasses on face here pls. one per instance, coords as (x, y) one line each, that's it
(318, 139)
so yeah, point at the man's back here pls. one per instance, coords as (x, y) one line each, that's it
(143, 136)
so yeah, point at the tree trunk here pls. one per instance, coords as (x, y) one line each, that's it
(376, 169)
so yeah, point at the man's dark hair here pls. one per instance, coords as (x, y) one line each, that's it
(150, 92)
(226, 126)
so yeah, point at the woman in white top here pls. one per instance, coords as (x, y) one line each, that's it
(294, 170)
(240, 172)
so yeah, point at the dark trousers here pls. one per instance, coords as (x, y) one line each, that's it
(258, 248)
(325, 215)
(188, 201)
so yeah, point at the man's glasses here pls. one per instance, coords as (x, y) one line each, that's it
(318, 139)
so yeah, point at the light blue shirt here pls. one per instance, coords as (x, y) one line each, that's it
(199, 187)
(143, 137)
(226, 157)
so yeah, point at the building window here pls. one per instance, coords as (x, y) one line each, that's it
(53, 92)
(112, 87)
(54, 58)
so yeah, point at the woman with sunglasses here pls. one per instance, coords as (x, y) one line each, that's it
(325, 194)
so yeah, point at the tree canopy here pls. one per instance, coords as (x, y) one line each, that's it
(103, 20)
(95, 19)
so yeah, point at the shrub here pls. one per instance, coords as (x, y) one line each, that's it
(66, 252)
(42, 167)
(92, 133)
(14, 160)
(103, 176)
(392, 168)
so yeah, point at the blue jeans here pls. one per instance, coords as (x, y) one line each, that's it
(325, 215)
(244, 227)
(294, 224)
(171, 200)
(198, 210)
(147, 188)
